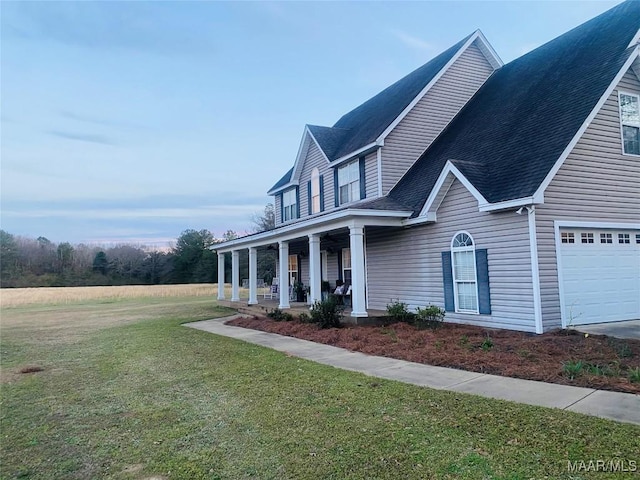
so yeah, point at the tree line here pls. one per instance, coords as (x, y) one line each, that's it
(36, 262)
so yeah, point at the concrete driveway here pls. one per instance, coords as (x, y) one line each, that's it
(626, 329)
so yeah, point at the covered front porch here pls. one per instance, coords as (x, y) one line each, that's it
(326, 251)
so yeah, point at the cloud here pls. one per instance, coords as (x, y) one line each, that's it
(412, 41)
(139, 26)
(94, 120)
(83, 137)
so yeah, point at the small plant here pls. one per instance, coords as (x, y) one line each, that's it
(634, 375)
(278, 315)
(487, 344)
(438, 344)
(623, 350)
(464, 341)
(594, 369)
(572, 369)
(429, 317)
(304, 318)
(399, 312)
(391, 332)
(327, 313)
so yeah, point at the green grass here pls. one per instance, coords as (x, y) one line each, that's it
(127, 392)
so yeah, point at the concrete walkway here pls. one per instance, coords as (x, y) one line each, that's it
(625, 329)
(621, 407)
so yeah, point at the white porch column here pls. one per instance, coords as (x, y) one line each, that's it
(356, 242)
(314, 269)
(253, 276)
(235, 276)
(283, 257)
(220, 276)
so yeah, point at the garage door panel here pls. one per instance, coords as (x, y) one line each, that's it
(601, 282)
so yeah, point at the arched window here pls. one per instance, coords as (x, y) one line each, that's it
(315, 191)
(465, 279)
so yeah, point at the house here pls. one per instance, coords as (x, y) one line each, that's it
(508, 194)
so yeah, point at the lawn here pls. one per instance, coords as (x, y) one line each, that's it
(126, 392)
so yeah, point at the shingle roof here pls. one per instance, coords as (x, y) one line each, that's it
(508, 137)
(364, 124)
(286, 178)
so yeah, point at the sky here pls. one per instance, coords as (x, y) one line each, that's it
(130, 122)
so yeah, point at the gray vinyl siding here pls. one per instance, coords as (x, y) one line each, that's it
(314, 159)
(332, 268)
(431, 114)
(406, 265)
(371, 175)
(596, 183)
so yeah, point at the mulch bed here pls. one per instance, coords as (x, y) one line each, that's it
(511, 354)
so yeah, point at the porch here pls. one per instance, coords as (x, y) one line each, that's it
(264, 306)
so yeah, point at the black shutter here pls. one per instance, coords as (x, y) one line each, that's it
(322, 193)
(309, 202)
(336, 189)
(363, 184)
(281, 207)
(447, 279)
(340, 265)
(297, 202)
(482, 272)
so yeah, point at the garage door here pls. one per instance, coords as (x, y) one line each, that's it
(600, 275)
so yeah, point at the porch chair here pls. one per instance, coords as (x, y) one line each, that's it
(272, 292)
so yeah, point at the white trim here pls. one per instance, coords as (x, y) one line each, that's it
(556, 237)
(477, 35)
(635, 40)
(319, 224)
(557, 225)
(587, 224)
(379, 164)
(535, 268)
(356, 153)
(508, 204)
(547, 180)
(430, 217)
(621, 124)
(451, 169)
(366, 269)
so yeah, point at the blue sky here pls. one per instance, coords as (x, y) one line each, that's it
(133, 121)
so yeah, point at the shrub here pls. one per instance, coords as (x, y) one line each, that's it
(304, 318)
(634, 375)
(487, 344)
(278, 315)
(327, 313)
(572, 369)
(429, 317)
(398, 312)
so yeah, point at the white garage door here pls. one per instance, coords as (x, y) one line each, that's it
(600, 275)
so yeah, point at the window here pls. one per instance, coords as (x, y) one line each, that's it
(623, 238)
(606, 238)
(630, 123)
(293, 269)
(465, 284)
(586, 237)
(349, 182)
(315, 191)
(346, 265)
(567, 237)
(289, 205)
(637, 237)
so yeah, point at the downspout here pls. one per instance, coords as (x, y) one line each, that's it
(535, 270)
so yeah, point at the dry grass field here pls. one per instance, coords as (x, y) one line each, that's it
(15, 297)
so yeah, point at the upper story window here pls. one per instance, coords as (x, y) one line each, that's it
(630, 123)
(289, 205)
(349, 182)
(465, 281)
(315, 191)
